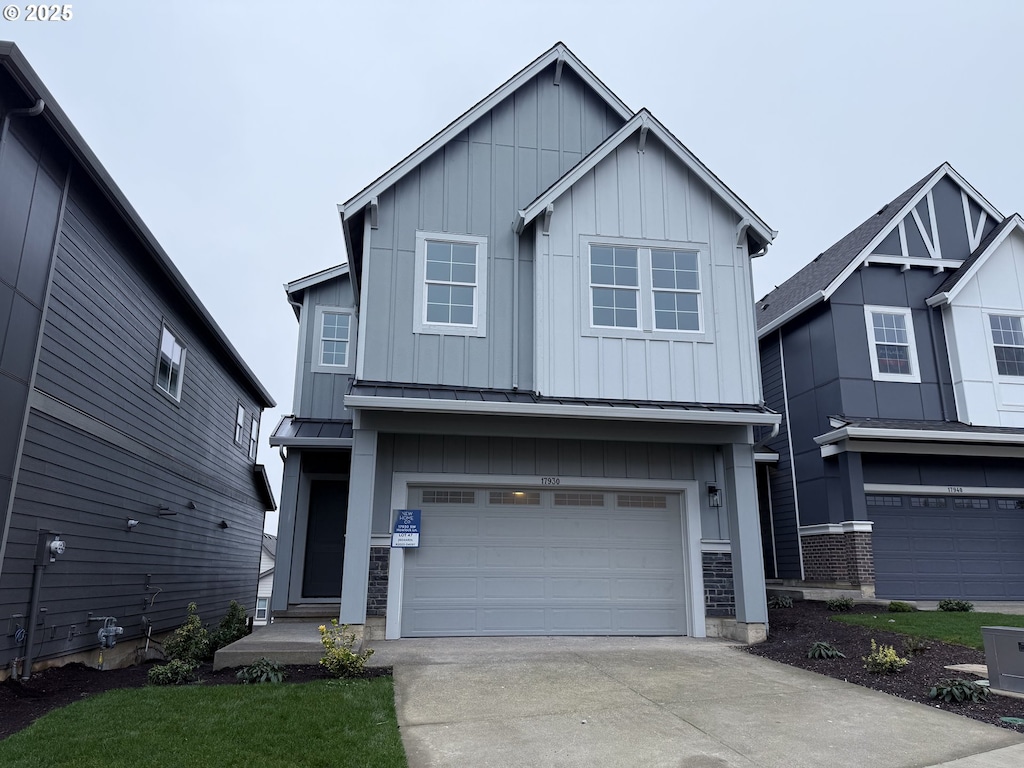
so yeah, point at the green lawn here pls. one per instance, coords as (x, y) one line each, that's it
(958, 628)
(324, 724)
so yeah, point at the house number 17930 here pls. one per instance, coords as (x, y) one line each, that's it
(551, 481)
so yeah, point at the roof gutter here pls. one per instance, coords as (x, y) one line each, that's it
(486, 408)
(920, 435)
(781, 320)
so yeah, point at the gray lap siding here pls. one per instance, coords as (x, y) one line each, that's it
(86, 488)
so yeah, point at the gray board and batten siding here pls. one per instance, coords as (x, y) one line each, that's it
(474, 185)
(318, 393)
(32, 180)
(645, 199)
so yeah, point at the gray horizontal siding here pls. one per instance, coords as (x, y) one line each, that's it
(86, 489)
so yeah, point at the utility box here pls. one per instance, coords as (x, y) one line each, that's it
(1004, 654)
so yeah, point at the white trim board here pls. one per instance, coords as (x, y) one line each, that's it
(693, 572)
(943, 490)
(847, 526)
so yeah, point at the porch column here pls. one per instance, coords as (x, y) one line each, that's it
(745, 534)
(355, 575)
(286, 531)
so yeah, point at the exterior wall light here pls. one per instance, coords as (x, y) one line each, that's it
(132, 522)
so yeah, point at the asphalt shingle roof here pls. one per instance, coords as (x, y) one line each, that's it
(819, 274)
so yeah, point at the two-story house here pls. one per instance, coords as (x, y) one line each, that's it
(543, 340)
(128, 423)
(897, 360)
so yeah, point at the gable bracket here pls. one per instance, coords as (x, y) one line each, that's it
(545, 225)
(643, 137)
(373, 213)
(558, 69)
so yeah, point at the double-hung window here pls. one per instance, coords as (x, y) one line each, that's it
(451, 275)
(170, 364)
(891, 343)
(1007, 344)
(675, 280)
(239, 424)
(614, 287)
(332, 347)
(254, 436)
(652, 288)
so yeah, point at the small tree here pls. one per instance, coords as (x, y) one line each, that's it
(190, 641)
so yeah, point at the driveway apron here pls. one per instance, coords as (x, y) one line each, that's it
(663, 701)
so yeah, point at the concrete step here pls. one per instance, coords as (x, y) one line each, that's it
(306, 612)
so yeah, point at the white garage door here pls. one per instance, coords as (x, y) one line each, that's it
(545, 562)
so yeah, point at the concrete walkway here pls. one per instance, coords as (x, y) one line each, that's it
(595, 702)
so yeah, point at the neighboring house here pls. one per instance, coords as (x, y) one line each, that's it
(129, 424)
(897, 360)
(544, 341)
(265, 588)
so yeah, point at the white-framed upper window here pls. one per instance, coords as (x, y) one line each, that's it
(649, 287)
(239, 424)
(451, 280)
(332, 347)
(675, 280)
(170, 366)
(891, 343)
(1007, 344)
(254, 436)
(262, 606)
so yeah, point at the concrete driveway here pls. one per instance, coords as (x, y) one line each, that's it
(649, 702)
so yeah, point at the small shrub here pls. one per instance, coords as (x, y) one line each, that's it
(958, 691)
(840, 604)
(234, 626)
(824, 650)
(339, 659)
(956, 606)
(915, 645)
(780, 601)
(884, 660)
(262, 670)
(174, 672)
(898, 606)
(190, 641)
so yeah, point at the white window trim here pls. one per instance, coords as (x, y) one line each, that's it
(419, 317)
(316, 364)
(176, 395)
(914, 377)
(1001, 377)
(645, 304)
(266, 609)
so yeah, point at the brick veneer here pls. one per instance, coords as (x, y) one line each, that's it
(842, 558)
(377, 590)
(719, 595)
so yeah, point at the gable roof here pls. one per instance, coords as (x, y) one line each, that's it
(14, 63)
(559, 52)
(953, 284)
(644, 121)
(296, 288)
(819, 279)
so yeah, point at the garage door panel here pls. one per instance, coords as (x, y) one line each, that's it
(546, 569)
(936, 567)
(580, 588)
(980, 566)
(512, 587)
(933, 545)
(505, 557)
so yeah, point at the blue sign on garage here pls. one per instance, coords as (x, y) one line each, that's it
(407, 528)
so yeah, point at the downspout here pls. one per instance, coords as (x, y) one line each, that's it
(34, 111)
(938, 363)
(515, 312)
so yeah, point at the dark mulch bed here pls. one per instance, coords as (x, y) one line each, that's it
(793, 630)
(21, 703)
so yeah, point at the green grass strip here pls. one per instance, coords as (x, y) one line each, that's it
(956, 628)
(326, 724)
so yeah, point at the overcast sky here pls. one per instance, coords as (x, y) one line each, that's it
(235, 128)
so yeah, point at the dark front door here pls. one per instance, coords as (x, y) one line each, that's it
(325, 538)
